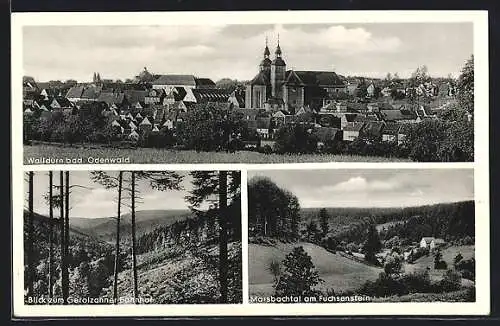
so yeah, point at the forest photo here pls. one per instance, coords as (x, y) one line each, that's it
(132, 237)
(357, 235)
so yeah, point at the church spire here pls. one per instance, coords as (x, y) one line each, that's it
(266, 50)
(278, 49)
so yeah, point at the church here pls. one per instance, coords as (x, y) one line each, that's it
(276, 87)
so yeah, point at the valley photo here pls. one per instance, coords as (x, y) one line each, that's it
(358, 235)
(248, 93)
(125, 237)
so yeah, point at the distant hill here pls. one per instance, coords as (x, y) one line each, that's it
(338, 272)
(146, 220)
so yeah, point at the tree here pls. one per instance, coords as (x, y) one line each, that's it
(393, 264)
(362, 89)
(272, 211)
(134, 249)
(65, 275)
(372, 245)
(323, 221)
(458, 258)
(465, 86)
(313, 234)
(299, 276)
(109, 182)
(217, 187)
(295, 139)
(51, 235)
(31, 233)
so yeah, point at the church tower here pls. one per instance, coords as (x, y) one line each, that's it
(265, 64)
(278, 68)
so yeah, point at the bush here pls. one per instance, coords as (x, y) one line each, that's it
(384, 286)
(467, 268)
(418, 282)
(295, 139)
(451, 282)
(299, 276)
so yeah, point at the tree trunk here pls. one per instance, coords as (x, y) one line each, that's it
(223, 268)
(66, 234)
(51, 235)
(63, 239)
(117, 248)
(134, 249)
(30, 257)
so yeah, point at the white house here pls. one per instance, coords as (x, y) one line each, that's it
(431, 243)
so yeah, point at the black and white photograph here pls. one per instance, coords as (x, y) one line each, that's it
(248, 93)
(361, 235)
(132, 237)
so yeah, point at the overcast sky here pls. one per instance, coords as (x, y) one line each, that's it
(234, 51)
(94, 201)
(374, 188)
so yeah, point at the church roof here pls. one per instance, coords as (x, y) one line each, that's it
(262, 78)
(315, 78)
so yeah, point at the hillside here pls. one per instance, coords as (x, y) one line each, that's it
(182, 275)
(339, 273)
(449, 253)
(146, 220)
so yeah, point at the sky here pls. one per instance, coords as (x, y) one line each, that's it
(374, 188)
(91, 200)
(234, 51)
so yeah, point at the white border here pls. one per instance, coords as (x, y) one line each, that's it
(481, 165)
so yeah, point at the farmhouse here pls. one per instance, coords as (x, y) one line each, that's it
(431, 243)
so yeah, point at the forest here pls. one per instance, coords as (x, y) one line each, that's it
(96, 270)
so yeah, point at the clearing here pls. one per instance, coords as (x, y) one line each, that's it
(449, 254)
(153, 155)
(339, 273)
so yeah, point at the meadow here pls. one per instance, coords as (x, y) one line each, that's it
(339, 273)
(169, 156)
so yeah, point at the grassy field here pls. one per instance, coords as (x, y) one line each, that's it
(151, 155)
(339, 273)
(448, 255)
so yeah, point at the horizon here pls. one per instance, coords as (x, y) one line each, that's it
(373, 188)
(370, 50)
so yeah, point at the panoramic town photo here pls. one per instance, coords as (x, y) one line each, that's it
(132, 237)
(253, 93)
(349, 235)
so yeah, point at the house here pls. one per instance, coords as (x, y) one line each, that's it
(403, 132)
(370, 90)
(262, 127)
(352, 130)
(390, 132)
(168, 82)
(112, 99)
(237, 99)
(431, 243)
(212, 95)
(154, 96)
(74, 94)
(133, 135)
(60, 103)
(204, 83)
(401, 116)
(346, 119)
(91, 93)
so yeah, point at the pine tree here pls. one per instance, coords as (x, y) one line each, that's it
(51, 235)
(372, 244)
(223, 186)
(323, 221)
(134, 249)
(30, 252)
